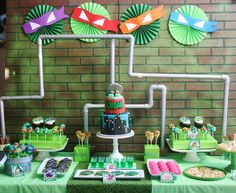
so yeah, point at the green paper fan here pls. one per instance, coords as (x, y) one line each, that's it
(53, 29)
(184, 34)
(85, 28)
(145, 33)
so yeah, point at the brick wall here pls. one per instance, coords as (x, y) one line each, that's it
(77, 73)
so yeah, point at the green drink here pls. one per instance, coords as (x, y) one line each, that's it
(117, 163)
(123, 162)
(101, 161)
(108, 160)
(93, 161)
(130, 161)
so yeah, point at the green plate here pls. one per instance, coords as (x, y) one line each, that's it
(53, 29)
(184, 34)
(82, 28)
(205, 178)
(145, 33)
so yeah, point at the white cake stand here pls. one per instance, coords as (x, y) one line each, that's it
(45, 153)
(115, 154)
(191, 155)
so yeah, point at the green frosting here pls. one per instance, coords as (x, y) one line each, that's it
(114, 105)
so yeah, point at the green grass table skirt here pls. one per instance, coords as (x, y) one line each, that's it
(120, 186)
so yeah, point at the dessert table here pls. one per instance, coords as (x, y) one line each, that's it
(34, 183)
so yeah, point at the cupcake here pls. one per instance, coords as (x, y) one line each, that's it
(198, 122)
(38, 122)
(50, 122)
(185, 122)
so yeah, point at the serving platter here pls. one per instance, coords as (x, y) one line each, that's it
(98, 174)
(157, 160)
(203, 177)
(58, 159)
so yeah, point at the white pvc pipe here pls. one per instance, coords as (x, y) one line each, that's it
(112, 66)
(148, 105)
(2, 119)
(225, 78)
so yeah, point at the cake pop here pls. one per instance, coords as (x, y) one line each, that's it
(62, 128)
(156, 135)
(211, 128)
(37, 131)
(45, 130)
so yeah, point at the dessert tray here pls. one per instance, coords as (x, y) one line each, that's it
(205, 173)
(98, 174)
(42, 166)
(157, 166)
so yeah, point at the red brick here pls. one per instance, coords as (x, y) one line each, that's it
(197, 2)
(231, 60)
(212, 8)
(80, 52)
(105, 2)
(198, 86)
(172, 51)
(211, 43)
(211, 60)
(230, 7)
(12, 3)
(220, 1)
(223, 16)
(224, 34)
(55, 3)
(230, 42)
(55, 53)
(30, 4)
(198, 51)
(76, 2)
(223, 51)
(184, 60)
(67, 95)
(79, 69)
(17, 11)
(230, 25)
(171, 2)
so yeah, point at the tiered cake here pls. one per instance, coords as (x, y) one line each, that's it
(196, 136)
(44, 133)
(115, 120)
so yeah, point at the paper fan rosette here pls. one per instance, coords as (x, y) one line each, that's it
(92, 19)
(142, 21)
(44, 19)
(189, 25)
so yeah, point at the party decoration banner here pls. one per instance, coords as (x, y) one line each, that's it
(199, 24)
(95, 20)
(189, 25)
(141, 20)
(46, 19)
(144, 19)
(84, 26)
